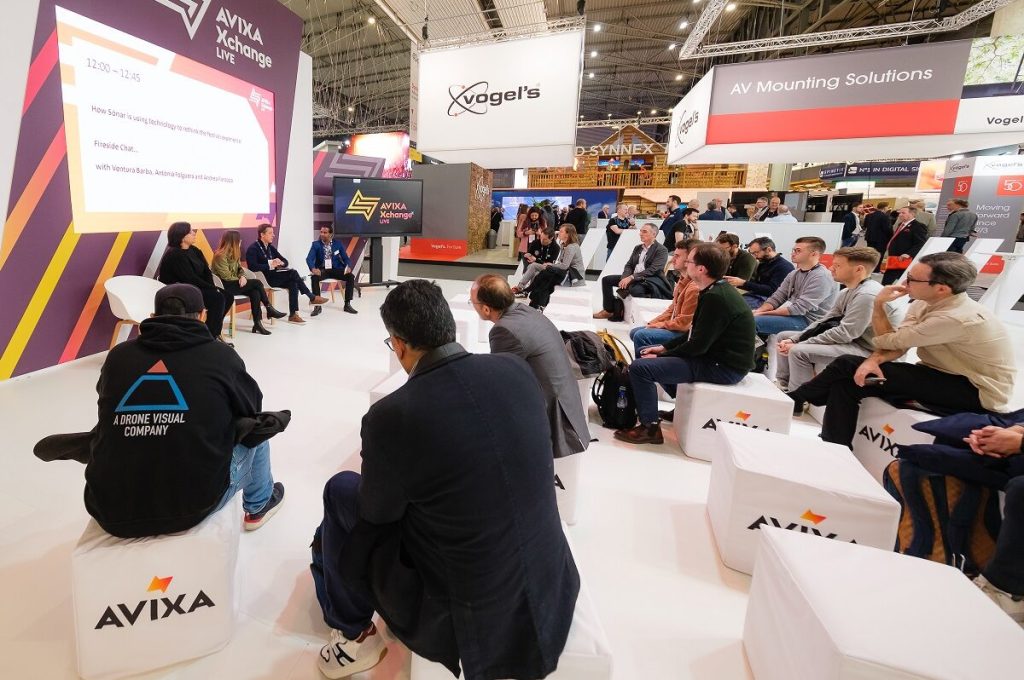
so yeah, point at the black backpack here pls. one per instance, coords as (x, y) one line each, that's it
(613, 393)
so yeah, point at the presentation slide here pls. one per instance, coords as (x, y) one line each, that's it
(154, 137)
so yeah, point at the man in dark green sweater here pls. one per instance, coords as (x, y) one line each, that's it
(719, 348)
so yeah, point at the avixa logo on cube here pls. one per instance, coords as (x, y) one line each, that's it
(883, 438)
(741, 418)
(156, 609)
(809, 516)
(477, 98)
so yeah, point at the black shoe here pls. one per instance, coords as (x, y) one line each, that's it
(257, 327)
(641, 434)
(274, 313)
(317, 310)
(798, 408)
(254, 520)
(667, 416)
(350, 309)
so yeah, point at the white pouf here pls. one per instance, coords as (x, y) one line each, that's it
(753, 402)
(586, 656)
(467, 327)
(145, 603)
(567, 485)
(880, 427)
(461, 301)
(387, 386)
(828, 609)
(763, 479)
(565, 312)
(639, 311)
(580, 296)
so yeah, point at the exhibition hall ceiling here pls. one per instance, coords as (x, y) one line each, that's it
(360, 48)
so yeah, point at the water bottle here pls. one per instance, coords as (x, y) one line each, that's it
(620, 403)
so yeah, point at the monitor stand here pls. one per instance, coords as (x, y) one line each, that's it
(377, 265)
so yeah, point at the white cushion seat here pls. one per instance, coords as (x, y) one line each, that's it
(880, 427)
(387, 386)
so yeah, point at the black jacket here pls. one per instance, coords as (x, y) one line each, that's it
(258, 256)
(180, 265)
(543, 253)
(909, 240)
(459, 543)
(161, 452)
(877, 230)
(653, 273)
(579, 218)
(768, 276)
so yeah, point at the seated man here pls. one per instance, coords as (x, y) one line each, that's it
(327, 259)
(541, 251)
(643, 276)
(719, 348)
(451, 533)
(164, 455)
(676, 319)
(966, 360)
(845, 330)
(805, 295)
(772, 269)
(741, 263)
(1002, 579)
(521, 330)
(262, 256)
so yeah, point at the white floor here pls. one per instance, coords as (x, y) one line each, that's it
(671, 609)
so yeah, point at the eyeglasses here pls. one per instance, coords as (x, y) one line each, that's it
(911, 279)
(387, 341)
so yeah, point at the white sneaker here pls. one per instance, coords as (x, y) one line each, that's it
(342, 657)
(1013, 605)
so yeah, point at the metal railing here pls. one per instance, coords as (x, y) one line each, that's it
(670, 177)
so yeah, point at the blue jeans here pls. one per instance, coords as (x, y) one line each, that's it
(645, 373)
(770, 325)
(250, 472)
(645, 337)
(344, 607)
(754, 301)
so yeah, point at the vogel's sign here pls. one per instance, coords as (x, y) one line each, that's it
(619, 150)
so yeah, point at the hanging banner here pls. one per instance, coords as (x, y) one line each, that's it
(919, 100)
(502, 105)
(414, 93)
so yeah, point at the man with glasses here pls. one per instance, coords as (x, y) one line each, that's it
(805, 295)
(718, 349)
(966, 361)
(451, 531)
(772, 269)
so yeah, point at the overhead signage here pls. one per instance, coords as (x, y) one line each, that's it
(505, 104)
(689, 127)
(619, 150)
(993, 187)
(883, 169)
(832, 171)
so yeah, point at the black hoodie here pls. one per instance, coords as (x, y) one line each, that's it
(161, 453)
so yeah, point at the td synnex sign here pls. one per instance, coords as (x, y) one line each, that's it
(477, 98)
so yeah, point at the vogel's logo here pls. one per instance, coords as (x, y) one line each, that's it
(685, 123)
(477, 98)
(808, 516)
(191, 11)
(740, 418)
(118, 615)
(362, 205)
(880, 438)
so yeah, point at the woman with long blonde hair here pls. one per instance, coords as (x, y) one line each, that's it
(228, 267)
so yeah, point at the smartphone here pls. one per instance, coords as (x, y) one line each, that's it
(873, 380)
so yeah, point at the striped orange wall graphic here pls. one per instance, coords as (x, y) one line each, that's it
(29, 198)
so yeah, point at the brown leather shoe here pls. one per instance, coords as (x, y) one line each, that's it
(641, 434)
(295, 318)
(603, 314)
(318, 300)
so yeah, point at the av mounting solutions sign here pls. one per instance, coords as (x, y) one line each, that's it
(504, 104)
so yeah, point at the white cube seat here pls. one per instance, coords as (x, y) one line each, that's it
(387, 386)
(753, 402)
(579, 295)
(586, 655)
(568, 470)
(145, 603)
(831, 609)
(563, 312)
(763, 479)
(467, 326)
(461, 302)
(880, 427)
(639, 311)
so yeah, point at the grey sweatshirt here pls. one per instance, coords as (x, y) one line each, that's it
(806, 293)
(854, 306)
(570, 257)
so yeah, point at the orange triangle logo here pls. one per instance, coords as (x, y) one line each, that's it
(159, 367)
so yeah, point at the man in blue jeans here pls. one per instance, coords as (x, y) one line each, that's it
(805, 295)
(718, 349)
(163, 455)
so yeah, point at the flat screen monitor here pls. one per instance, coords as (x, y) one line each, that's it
(378, 207)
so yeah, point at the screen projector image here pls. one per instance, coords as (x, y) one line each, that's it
(153, 137)
(378, 207)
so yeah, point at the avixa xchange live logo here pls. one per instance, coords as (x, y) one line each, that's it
(477, 98)
(191, 11)
(156, 609)
(362, 205)
(685, 123)
(809, 516)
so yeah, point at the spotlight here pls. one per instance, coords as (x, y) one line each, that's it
(672, 46)
(351, 109)
(679, 76)
(371, 20)
(654, 111)
(590, 75)
(609, 115)
(639, 113)
(730, 7)
(593, 53)
(597, 28)
(684, 24)
(348, 142)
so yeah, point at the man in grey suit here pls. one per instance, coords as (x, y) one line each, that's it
(521, 330)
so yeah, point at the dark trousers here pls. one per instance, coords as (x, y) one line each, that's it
(610, 283)
(957, 246)
(252, 289)
(213, 300)
(293, 282)
(1006, 570)
(350, 281)
(543, 286)
(344, 607)
(834, 389)
(645, 374)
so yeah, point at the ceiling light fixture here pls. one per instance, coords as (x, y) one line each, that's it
(593, 53)
(590, 75)
(684, 24)
(730, 7)
(672, 46)
(679, 76)
(654, 111)
(371, 20)
(597, 28)
(350, 109)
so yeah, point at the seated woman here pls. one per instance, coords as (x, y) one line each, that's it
(182, 262)
(227, 267)
(569, 263)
